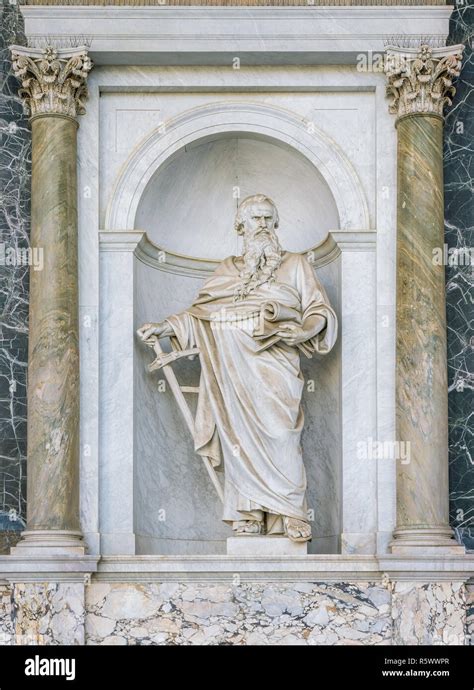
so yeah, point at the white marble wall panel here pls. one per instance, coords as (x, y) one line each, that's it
(88, 268)
(321, 438)
(386, 210)
(358, 408)
(116, 387)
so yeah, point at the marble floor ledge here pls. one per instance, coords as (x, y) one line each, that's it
(73, 568)
(327, 568)
(384, 568)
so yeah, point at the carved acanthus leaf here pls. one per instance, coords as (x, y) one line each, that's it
(421, 81)
(53, 81)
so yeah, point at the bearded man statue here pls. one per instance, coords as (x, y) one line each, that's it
(251, 321)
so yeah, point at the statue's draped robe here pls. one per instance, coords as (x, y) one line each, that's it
(249, 412)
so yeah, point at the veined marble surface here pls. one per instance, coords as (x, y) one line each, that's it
(48, 613)
(236, 613)
(459, 215)
(305, 613)
(470, 614)
(15, 166)
(247, 614)
(6, 617)
(429, 614)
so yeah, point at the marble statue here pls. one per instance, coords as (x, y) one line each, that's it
(250, 321)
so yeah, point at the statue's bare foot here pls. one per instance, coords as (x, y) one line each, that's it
(297, 530)
(248, 527)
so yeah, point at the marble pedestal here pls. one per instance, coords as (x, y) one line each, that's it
(265, 546)
(237, 600)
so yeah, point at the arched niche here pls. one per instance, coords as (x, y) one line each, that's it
(248, 119)
(189, 203)
(176, 510)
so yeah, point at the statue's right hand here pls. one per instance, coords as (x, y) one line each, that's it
(148, 330)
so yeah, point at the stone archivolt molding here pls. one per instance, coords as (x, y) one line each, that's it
(53, 80)
(222, 118)
(420, 81)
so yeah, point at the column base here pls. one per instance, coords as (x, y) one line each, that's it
(429, 541)
(45, 542)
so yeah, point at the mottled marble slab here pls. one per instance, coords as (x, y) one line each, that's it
(174, 613)
(429, 614)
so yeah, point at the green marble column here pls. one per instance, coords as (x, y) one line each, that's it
(53, 83)
(421, 359)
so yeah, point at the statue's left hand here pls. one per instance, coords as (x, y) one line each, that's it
(292, 334)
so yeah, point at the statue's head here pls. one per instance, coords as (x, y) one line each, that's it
(255, 214)
(256, 220)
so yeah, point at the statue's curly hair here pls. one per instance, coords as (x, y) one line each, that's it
(250, 201)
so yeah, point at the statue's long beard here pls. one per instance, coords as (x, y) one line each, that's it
(262, 258)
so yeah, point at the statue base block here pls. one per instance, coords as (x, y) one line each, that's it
(259, 545)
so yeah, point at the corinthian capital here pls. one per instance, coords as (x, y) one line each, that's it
(420, 80)
(53, 80)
